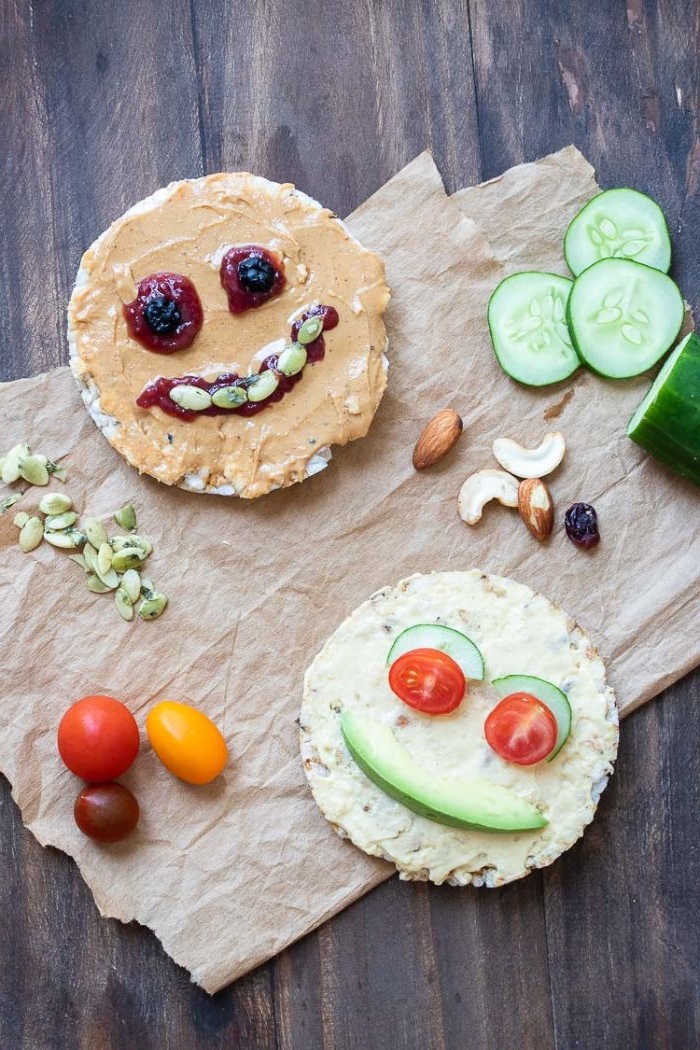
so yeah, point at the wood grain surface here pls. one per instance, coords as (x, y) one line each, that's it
(104, 102)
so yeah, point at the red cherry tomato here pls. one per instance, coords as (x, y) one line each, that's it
(186, 741)
(428, 680)
(106, 812)
(521, 729)
(98, 738)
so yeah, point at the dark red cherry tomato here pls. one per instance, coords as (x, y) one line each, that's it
(98, 738)
(428, 680)
(106, 812)
(521, 729)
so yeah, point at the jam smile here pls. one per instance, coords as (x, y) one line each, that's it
(189, 396)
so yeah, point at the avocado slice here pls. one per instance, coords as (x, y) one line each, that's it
(457, 802)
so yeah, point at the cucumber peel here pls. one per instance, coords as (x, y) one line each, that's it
(667, 422)
(447, 640)
(546, 692)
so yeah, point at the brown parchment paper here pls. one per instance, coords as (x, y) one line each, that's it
(229, 874)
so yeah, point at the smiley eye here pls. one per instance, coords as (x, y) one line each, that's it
(256, 274)
(162, 315)
(166, 314)
(250, 276)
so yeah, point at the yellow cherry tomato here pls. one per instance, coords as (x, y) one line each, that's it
(186, 741)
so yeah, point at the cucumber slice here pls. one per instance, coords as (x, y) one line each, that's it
(620, 224)
(550, 695)
(527, 322)
(623, 317)
(667, 423)
(447, 640)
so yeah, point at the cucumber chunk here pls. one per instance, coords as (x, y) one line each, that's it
(527, 322)
(447, 640)
(623, 317)
(550, 695)
(620, 224)
(667, 422)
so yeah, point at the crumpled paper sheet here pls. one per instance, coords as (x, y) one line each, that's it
(229, 874)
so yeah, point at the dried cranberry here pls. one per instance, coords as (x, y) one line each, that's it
(166, 314)
(581, 524)
(250, 275)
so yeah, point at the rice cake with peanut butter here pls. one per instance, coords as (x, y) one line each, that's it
(226, 332)
(518, 631)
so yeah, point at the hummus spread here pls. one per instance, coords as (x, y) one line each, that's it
(186, 228)
(518, 632)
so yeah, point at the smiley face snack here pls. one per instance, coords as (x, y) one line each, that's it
(226, 332)
(460, 725)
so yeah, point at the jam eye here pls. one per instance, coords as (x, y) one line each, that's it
(162, 315)
(166, 314)
(250, 275)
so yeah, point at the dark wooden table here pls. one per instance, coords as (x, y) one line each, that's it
(103, 102)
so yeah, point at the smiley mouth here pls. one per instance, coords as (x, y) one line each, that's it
(189, 396)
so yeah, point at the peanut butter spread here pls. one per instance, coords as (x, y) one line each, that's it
(186, 228)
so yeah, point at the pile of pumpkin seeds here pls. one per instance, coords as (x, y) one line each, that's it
(112, 564)
(21, 463)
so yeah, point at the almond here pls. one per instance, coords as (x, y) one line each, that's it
(439, 435)
(536, 507)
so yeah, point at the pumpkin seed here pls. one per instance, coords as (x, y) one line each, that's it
(10, 465)
(68, 540)
(310, 330)
(151, 608)
(57, 522)
(10, 501)
(124, 604)
(262, 385)
(33, 470)
(21, 518)
(118, 543)
(126, 517)
(128, 558)
(140, 543)
(96, 585)
(90, 555)
(95, 532)
(148, 588)
(79, 559)
(31, 534)
(131, 582)
(110, 579)
(55, 503)
(104, 559)
(229, 397)
(57, 472)
(192, 398)
(291, 360)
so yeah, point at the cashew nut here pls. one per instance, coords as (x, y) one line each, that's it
(482, 487)
(530, 462)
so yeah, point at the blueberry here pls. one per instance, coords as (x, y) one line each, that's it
(162, 315)
(256, 274)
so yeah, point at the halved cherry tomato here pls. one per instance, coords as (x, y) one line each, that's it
(521, 729)
(429, 680)
(186, 741)
(98, 738)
